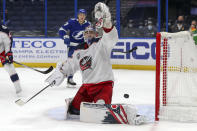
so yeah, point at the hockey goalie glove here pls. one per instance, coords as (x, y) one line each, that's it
(102, 15)
(57, 77)
(63, 69)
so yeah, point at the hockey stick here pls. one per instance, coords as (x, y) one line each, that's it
(21, 102)
(129, 51)
(43, 72)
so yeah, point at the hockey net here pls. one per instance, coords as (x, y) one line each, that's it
(176, 77)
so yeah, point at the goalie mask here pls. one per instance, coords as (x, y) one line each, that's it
(90, 35)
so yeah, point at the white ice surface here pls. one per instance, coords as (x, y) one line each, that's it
(46, 111)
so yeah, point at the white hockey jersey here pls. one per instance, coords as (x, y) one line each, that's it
(94, 62)
(5, 42)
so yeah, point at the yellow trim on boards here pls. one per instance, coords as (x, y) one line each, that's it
(37, 65)
(134, 67)
(130, 67)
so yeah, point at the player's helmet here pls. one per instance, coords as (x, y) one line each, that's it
(83, 11)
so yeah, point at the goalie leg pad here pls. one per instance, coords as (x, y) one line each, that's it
(103, 113)
(110, 114)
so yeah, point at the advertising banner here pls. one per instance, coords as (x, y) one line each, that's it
(144, 55)
(52, 50)
(39, 50)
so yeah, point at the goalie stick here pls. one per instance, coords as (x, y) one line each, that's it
(43, 72)
(129, 51)
(21, 102)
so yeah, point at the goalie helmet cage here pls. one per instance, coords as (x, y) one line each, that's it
(176, 77)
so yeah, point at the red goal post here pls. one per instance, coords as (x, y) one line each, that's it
(176, 77)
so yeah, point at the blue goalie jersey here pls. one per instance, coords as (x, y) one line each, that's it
(74, 29)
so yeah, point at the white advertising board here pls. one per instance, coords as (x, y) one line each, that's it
(39, 50)
(144, 55)
(52, 50)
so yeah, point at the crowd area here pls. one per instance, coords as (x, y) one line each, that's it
(148, 27)
(30, 20)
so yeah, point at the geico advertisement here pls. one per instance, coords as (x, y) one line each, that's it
(38, 50)
(144, 55)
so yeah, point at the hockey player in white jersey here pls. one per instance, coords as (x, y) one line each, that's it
(6, 57)
(93, 60)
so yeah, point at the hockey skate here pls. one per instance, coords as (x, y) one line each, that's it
(71, 83)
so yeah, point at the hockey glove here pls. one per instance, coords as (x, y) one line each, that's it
(9, 57)
(102, 15)
(67, 40)
(56, 76)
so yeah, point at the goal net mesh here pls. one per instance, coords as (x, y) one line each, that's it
(178, 77)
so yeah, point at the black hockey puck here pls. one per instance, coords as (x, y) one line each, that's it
(126, 95)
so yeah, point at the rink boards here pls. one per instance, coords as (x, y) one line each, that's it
(44, 52)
